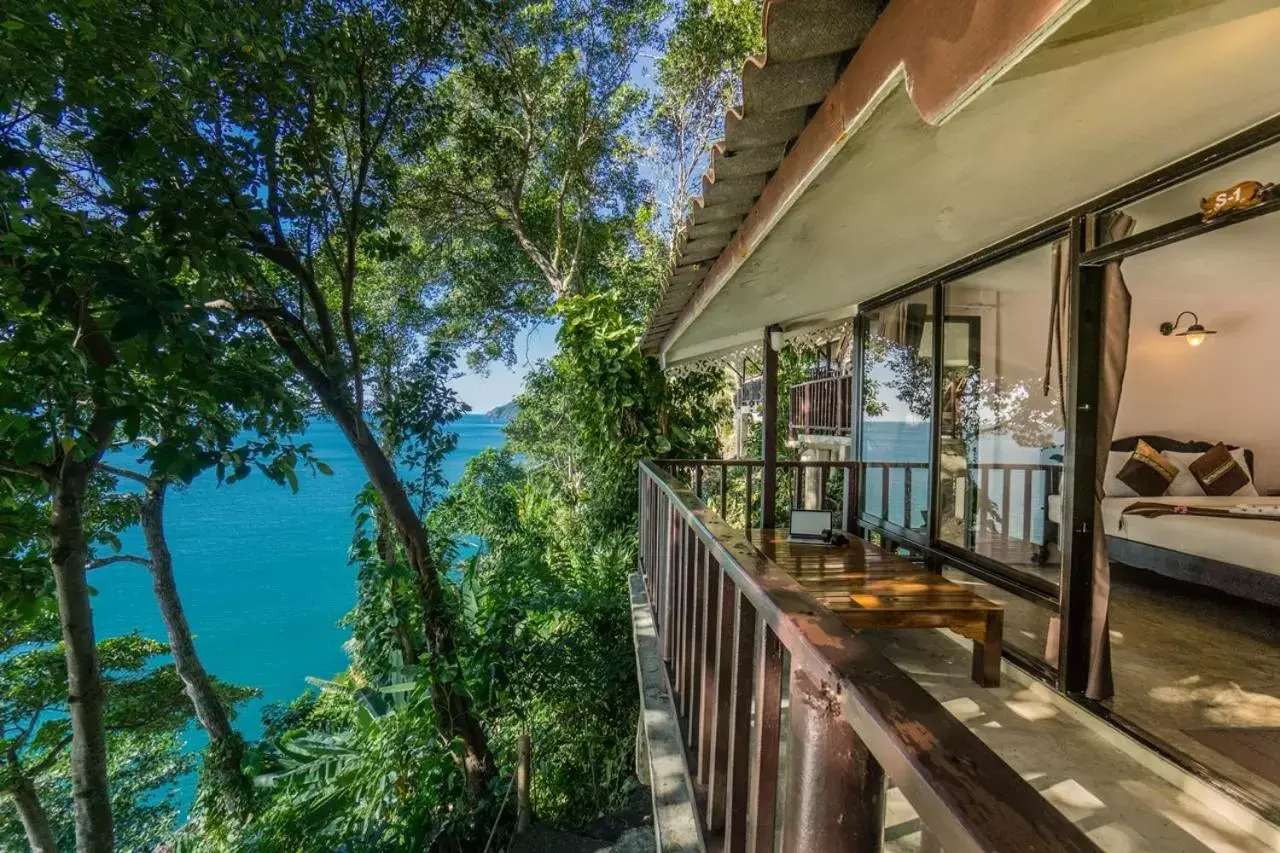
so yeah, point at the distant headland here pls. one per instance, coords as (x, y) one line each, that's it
(505, 412)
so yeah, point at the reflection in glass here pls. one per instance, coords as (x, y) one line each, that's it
(1002, 435)
(898, 411)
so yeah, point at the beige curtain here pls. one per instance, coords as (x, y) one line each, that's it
(890, 322)
(1115, 353)
(1059, 319)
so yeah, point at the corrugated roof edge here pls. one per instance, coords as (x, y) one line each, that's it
(942, 53)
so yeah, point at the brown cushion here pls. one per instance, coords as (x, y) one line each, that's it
(1147, 472)
(1218, 473)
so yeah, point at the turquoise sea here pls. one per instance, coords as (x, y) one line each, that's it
(262, 573)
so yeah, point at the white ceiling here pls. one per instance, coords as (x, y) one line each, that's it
(1098, 106)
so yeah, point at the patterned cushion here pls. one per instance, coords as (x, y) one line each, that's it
(1147, 472)
(1218, 473)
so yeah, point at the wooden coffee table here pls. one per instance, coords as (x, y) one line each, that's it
(868, 588)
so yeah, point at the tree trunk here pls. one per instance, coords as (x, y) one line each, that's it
(222, 759)
(68, 556)
(195, 681)
(387, 554)
(452, 707)
(34, 819)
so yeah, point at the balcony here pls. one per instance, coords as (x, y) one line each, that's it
(730, 627)
(822, 405)
(769, 724)
(750, 393)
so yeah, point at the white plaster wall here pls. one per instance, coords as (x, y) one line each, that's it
(1226, 390)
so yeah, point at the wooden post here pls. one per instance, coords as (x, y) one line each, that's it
(835, 787)
(524, 772)
(853, 476)
(769, 431)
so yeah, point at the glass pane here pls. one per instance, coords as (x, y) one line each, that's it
(1002, 431)
(1028, 625)
(897, 411)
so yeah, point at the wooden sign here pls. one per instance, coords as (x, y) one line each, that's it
(1243, 195)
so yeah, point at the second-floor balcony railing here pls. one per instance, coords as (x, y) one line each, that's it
(822, 406)
(750, 393)
(747, 651)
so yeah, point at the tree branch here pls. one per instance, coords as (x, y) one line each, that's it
(119, 558)
(26, 469)
(116, 470)
(288, 260)
(50, 757)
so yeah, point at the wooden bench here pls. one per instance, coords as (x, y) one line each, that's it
(869, 588)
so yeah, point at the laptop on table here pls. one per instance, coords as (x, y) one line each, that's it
(808, 525)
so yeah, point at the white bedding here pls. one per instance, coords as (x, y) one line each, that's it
(1252, 543)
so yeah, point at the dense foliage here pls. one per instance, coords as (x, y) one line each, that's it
(219, 221)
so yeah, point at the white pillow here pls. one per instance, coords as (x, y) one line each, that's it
(1185, 485)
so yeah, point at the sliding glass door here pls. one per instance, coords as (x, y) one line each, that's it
(896, 435)
(1002, 430)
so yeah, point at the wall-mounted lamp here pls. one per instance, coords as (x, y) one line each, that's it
(1195, 333)
(775, 338)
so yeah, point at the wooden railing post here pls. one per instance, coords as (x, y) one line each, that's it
(766, 757)
(697, 636)
(670, 582)
(727, 803)
(724, 490)
(835, 788)
(712, 733)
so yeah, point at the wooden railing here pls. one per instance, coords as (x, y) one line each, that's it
(712, 479)
(987, 511)
(882, 473)
(822, 406)
(900, 496)
(725, 614)
(750, 393)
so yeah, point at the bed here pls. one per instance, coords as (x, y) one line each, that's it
(1239, 556)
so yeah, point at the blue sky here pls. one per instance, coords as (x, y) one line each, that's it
(501, 384)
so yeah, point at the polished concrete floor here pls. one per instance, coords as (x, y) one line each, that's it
(1126, 799)
(1184, 658)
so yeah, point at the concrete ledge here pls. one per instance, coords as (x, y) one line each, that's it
(676, 826)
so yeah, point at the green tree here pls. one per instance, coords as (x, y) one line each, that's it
(143, 712)
(86, 308)
(275, 148)
(533, 162)
(230, 414)
(698, 79)
(88, 304)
